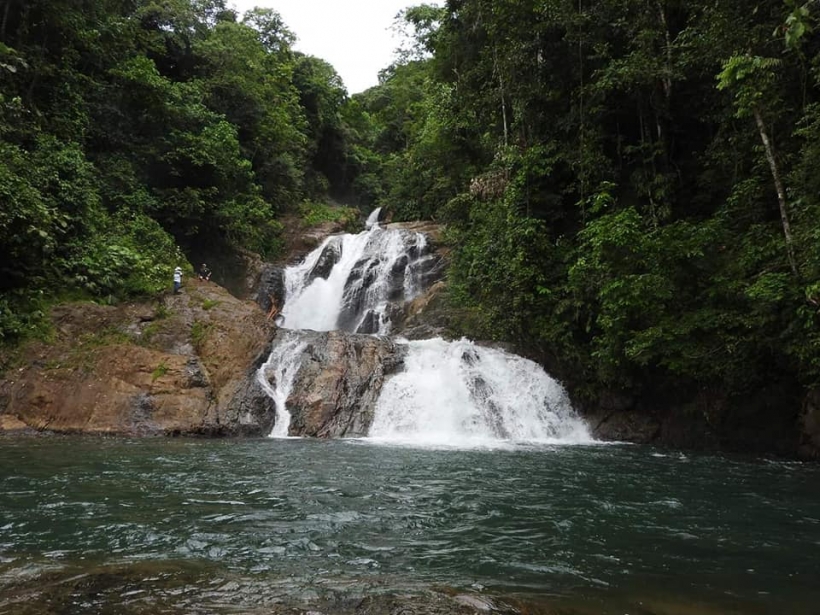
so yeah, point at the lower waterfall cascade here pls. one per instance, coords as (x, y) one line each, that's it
(461, 393)
(448, 393)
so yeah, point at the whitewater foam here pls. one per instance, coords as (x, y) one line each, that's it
(360, 284)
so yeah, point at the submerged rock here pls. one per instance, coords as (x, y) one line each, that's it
(177, 587)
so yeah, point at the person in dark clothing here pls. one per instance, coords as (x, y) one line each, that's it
(204, 272)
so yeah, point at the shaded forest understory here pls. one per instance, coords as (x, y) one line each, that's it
(631, 187)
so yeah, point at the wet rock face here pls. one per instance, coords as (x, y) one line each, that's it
(369, 324)
(359, 283)
(398, 273)
(626, 426)
(249, 411)
(410, 275)
(428, 315)
(765, 421)
(327, 260)
(271, 287)
(339, 381)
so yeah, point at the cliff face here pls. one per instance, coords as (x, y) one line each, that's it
(185, 365)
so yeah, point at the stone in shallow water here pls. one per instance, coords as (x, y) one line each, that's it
(476, 602)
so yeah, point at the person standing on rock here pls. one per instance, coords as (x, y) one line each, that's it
(204, 273)
(177, 279)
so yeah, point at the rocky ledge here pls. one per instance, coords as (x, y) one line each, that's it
(184, 365)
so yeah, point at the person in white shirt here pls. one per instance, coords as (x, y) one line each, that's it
(177, 279)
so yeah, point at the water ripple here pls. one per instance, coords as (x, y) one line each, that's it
(301, 513)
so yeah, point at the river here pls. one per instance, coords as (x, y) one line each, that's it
(186, 526)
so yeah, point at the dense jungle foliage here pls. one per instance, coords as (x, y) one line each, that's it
(133, 131)
(631, 187)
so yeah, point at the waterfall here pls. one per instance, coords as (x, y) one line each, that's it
(457, 393)
(276, 377)
(447, 392)
(350, 281)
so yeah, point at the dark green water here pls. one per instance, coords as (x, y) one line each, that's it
(172, 526)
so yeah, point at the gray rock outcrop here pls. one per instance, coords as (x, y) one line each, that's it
(271, 287)
(338, 383)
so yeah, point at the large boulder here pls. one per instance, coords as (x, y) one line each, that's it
(183, 366)
(762, 422)
(337, 385)
(271, 287)
(617, 420)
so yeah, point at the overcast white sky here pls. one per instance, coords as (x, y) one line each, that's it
(353, 35)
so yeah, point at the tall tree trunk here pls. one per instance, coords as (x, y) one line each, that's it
(5, 20)
(497, 70)
(581, 126)
(667, 79)
(503, 110)
(663, 116)
(778, 184)
(503, 101)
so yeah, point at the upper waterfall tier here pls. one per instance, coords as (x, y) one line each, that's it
(350, 281)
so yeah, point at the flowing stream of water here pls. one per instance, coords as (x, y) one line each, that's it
(366, 272)
(281, 368)
(457, 393)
